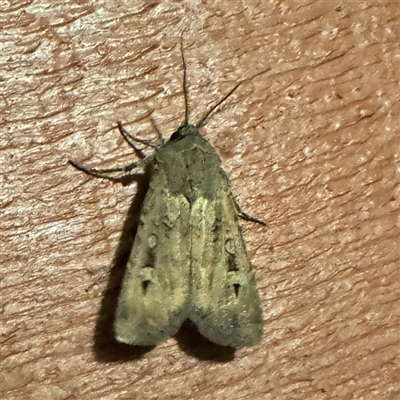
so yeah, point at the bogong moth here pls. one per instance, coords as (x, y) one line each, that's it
(188, 259)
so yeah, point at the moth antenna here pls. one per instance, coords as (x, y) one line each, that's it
(207, 114)
(184, 85)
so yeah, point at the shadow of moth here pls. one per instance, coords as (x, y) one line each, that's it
(188, 259)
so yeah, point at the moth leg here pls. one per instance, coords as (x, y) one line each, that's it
(247, 217)
(159, 134)
(129, 138)
(240, 212)
(102, 173)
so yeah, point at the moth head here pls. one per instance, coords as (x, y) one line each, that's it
(183, 131)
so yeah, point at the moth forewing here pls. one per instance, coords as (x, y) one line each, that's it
(156, 288)
(225, 302)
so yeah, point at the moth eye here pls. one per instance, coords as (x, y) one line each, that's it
(145, 286)
(152, 240)
(236, 287)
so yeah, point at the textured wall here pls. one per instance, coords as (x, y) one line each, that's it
(311, 147)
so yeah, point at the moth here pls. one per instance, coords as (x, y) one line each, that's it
(188, 259)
